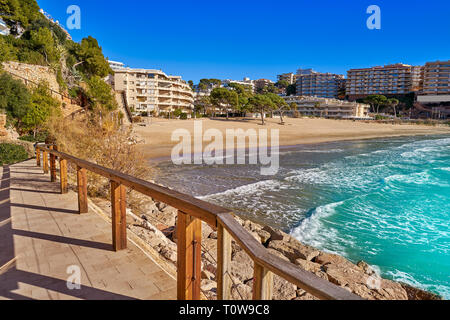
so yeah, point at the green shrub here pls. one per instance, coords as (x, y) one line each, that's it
(40, 137)
(184, 116)
(11, 153)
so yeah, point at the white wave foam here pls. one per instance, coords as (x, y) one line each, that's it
(421, 178)
(401, 276)
(313, 232)
(315, 175)
(246, 189)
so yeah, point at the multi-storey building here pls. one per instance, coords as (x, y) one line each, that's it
(395, 79)
(260, 84)
(245, 82)
(116, 65)
(317, 84)
(436, 83)
(289, 77)
(328, 108)
(150, 90)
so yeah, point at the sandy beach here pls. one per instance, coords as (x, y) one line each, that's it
(157, 134)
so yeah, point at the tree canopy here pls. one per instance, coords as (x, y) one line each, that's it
(100, 95)
(42, 107)
(225, 99)
(261, 103)
(14, 97)
(23, 11)
(43, 42)
(90, 56)
(26, 109)
(209, 83)
(376, 101)
(243, 92)
(291, 90)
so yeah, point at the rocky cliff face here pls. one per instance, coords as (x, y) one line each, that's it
(156, 224)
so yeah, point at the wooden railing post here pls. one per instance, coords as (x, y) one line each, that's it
(63, 175)
(262, 283)
(38, 157)
(223, 264)
(119, 216)
(189, 237)
(45, 161)
(82, 190)
(52, 166)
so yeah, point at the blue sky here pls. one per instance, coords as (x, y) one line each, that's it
(260, 39)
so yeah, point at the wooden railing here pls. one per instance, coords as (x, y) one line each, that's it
(27, 82)
(191, 213)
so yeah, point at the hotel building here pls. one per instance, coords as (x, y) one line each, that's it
(317, 84)
(395, 79)
(245, 82)
(328, 108)
(260, 84)
(148, 90)
(436, 83)
(289, 77)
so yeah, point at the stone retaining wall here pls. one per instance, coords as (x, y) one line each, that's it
(33, 73)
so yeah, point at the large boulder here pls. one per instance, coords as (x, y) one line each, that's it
(282, 289)
(242, 266)
(252, 226)
(303, 295)
(208, 285)
(241, 291)
(368, 287)
(308, 265)
(419, 294)
(206, 231)
(293, 249)
(275, 234)
(366, 268)
(264, 236)
(278, 254)
(209, 250)
(328, 258)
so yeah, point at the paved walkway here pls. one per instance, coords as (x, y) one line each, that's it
(42, 235)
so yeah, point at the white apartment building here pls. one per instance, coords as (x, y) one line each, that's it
(328, 108)
(244, 82)
(289, 77)
(115, 65)
(149, 90)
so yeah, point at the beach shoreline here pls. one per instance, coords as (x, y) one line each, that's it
(157, 144)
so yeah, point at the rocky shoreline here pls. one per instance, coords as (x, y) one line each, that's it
(155, 224)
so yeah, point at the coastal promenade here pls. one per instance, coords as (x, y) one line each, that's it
(43, 241)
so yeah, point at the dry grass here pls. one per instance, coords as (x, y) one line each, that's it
(104, 142)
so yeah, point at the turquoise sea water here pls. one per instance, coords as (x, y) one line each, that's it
(385, 201)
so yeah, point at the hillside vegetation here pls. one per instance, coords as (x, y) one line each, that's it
(79, 68)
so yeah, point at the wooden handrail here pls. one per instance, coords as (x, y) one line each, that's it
(26, 80)
(191, 212)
